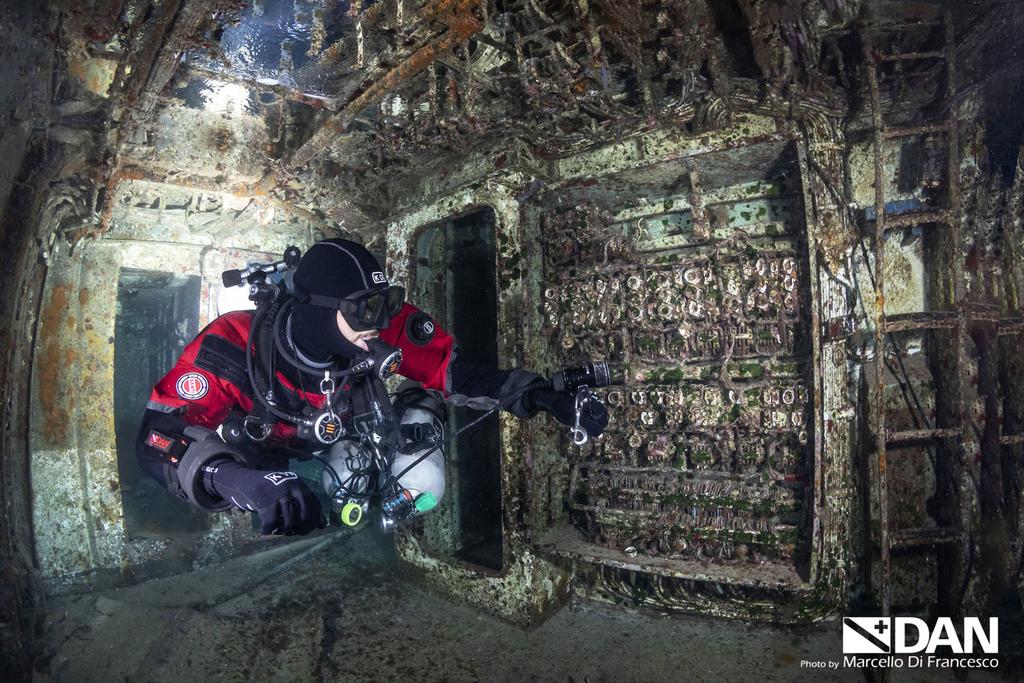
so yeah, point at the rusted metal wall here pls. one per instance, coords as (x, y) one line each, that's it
(28, 60)
(756, 559)
(603, 195)
(78, 515)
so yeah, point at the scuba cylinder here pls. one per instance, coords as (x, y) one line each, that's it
(421, 429)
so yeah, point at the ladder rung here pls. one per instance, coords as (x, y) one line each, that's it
(934, 320)
(908, 56)
(907, 131)
(1010, 326)
(909, 538)
(906, 220)
(982, 313)
(912, 436)
(1011, 439)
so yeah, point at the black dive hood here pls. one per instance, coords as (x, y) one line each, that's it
(315, 332)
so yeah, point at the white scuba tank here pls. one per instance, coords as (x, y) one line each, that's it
(426, 477)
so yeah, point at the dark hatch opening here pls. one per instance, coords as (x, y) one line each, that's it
(455, 280)
(157, 315)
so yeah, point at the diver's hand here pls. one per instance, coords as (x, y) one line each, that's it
(294, 509)
(593, 417)
(513, 395)
(284, 503)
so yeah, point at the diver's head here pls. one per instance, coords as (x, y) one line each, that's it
(343, 299)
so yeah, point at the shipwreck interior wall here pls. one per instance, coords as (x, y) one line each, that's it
(91, 524)
(705, 304)
(453, 276)
(793, 227)
(526, 585)
(703, 485)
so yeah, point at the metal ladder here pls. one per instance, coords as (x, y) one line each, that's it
(952, 319)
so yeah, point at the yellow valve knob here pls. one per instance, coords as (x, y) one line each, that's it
(351, 513)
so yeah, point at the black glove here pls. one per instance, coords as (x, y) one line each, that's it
(284, 503)
(514, 384)
(593, 417)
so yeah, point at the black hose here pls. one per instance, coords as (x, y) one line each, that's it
(260, 392)
(330, 470)
(250, 358)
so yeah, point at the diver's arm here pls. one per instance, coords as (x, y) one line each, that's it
(484, 387)
(192, 393)
(206, 383)
(437, 365)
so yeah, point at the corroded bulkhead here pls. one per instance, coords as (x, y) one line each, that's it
(792, 227)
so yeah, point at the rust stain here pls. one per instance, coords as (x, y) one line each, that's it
(55, 408)
(443, 9)
(83, 296)
(221, 139)
(115, 179)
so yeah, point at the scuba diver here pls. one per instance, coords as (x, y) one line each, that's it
(302, 376)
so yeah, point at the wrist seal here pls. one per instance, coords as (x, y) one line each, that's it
(205, 448)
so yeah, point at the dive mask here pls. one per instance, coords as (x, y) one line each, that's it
(367, 309)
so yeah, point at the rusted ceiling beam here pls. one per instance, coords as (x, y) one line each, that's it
(446, 10)
(373, 21)
(188, 21)
(461, 25)
(139, 64)
(141, 77)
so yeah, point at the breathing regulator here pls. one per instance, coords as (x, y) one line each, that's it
(376, 441)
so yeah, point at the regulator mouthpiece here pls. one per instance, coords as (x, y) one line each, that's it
(383, 358)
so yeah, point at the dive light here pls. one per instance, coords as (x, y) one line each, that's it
(592, 375)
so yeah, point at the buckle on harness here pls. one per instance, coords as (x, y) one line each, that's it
(420, 433)
(255, 428)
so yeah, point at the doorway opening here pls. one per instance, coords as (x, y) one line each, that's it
(157, 316)
(454, 278)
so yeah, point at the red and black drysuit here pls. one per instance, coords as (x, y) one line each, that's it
(209, 384)
(335, 281)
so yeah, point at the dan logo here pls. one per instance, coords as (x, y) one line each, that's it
(378, 278)
(192, 386)
(867, 636)
(908, 635)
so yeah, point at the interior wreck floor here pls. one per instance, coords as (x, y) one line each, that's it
(339, 611)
